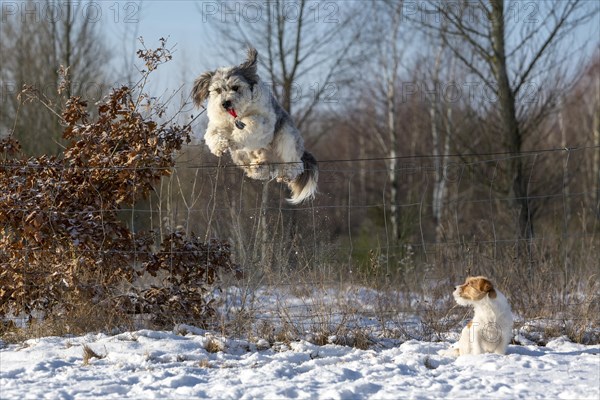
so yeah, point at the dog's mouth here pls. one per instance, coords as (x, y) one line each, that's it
(239, 124)
(232, 112)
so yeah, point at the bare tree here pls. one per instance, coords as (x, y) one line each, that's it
(390, 58)
(579, 121)
(34, 46)
(386, 28)
(596, 160)
(440, 140)
(307, 49)
(513, 54)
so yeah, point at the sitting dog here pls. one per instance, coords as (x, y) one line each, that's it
(490, 331)
(246, 120)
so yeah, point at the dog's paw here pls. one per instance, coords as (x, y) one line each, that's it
(221, 147)
(289, 172)
(258, 171)
(451, 352)
(219, 152)
(233, 145)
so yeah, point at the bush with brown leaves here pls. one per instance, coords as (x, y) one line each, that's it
(62, 242)
(193, 268)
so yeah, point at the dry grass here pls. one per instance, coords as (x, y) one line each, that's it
(213, 345)
(89, 354)
(560, 298)
(548, 296)
(83, 318)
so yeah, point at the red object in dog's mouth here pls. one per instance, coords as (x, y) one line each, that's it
(232, 112)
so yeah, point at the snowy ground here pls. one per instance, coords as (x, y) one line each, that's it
(151, 364)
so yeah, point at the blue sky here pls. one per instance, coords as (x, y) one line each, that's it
(197, 45)
(182, 22)
(178, 21)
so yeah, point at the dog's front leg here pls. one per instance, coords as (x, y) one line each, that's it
(476, 345)
(256, 134)
(465, 341)
(217, 139)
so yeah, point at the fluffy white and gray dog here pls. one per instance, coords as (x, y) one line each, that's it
(245, 119)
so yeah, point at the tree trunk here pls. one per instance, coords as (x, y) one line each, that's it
(510, 125)
(391, 80)
(266, 250)
(565, 177)
(393, 178)
(67, 58)
(596, 158)
(439, 152)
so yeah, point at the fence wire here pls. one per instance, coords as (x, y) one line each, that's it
(409, 250)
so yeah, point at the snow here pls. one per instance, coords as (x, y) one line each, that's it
(149, 364)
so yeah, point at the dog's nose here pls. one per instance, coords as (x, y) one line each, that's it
(226, 104)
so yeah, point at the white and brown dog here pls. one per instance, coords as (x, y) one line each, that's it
(246, 120)
(490, 331)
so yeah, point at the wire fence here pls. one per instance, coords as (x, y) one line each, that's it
(453, 215)
(561, 185)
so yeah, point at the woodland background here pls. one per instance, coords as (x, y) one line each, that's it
(452, 138)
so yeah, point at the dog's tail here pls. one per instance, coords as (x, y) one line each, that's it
(305, 185)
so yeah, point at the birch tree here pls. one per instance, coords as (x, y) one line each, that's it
(34, 46)
(440, 141)
(386, 22)
(390, 55)
(516, 53)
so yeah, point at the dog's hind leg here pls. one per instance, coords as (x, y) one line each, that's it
(259, 168)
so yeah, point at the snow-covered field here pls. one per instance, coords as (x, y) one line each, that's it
(176, 365)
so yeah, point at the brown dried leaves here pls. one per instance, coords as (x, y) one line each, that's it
(61, 239)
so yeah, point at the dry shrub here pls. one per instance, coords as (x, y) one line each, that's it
(213, 345)
(193, 268)
(204, 363)
(65, 252)
(89, 354)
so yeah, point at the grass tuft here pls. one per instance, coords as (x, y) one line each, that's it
(89, 354)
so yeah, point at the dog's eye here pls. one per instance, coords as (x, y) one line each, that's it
(235, 88)
(218, 90)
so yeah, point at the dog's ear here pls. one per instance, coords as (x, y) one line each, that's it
(487, 287)
(248, 68)
(200, 89)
